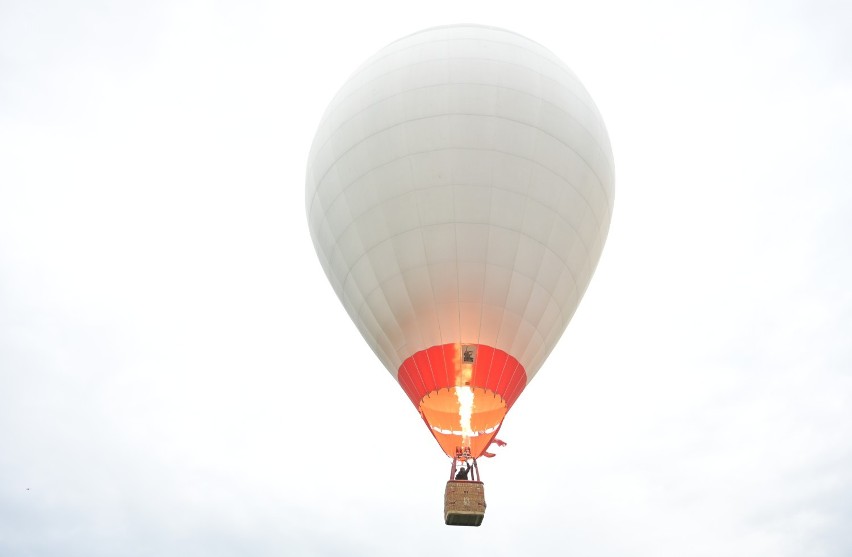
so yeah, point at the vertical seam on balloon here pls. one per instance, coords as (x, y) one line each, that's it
(490, 365)
(366, 296)
(406, 384)
(522, 235)
(434, 309)
(393, 321)
(485, 258)
(525, 305)
(536, 281)
(447, 352)
(416, 393)
(503, 304)
(427, 274)
(433, 302)
(528, 355)
(458, 272)
(506, 389)
(419, 327)
(420, 376)
(431, 368)
(545, 237)
(430, 352)
(500, 377)
(510, 390)
(516, 394)
(503, 389)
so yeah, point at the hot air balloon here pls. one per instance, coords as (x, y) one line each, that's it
(459, 193)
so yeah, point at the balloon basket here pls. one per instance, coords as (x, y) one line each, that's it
(464, 503)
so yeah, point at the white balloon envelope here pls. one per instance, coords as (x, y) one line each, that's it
(459, 193)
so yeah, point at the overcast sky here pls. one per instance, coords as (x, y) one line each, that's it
(177, 377)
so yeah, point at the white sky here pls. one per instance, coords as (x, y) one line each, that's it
(177, 377)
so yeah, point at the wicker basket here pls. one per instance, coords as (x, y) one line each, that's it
(464, 503)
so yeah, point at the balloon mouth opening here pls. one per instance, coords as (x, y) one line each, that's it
(463, 417)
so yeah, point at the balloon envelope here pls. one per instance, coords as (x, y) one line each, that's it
(459, 193)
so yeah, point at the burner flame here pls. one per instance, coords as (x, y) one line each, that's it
(465, 398)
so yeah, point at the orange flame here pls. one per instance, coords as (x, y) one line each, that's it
(464, 394)
(465, 397)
